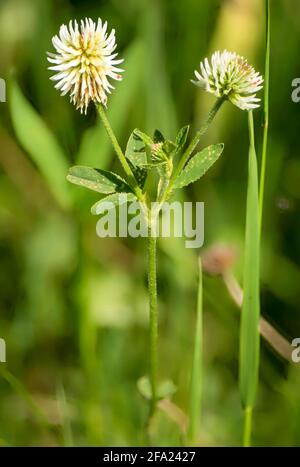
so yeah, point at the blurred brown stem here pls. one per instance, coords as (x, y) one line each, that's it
(268, 332)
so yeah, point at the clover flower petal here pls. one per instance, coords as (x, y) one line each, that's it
(229, 75)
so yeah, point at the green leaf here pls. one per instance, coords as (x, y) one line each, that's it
(140, 173)
(249, 332)
(158, 155)
(97, 180)
(117, 199)
(137, 158)
(165, 389)
(169, 147)
(197, 365)
(155, 163)
(144, 137)
(182, 137)
(198, 165)
(158, 137)
(40, 144)
(135, 150)
(144, 387)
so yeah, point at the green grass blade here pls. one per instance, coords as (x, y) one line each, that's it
(266, 114)
(196, 379)
(40, 144)
(248, 412)
(249, 332)
(64, 409)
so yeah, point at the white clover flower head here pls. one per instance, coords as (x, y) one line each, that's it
(83, 62)
(229, 75)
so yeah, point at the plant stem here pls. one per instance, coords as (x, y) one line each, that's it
(266, 115)
(119, 152)
(196, 379)
(198, 135)
(152, 287)
(66, 425)
(193, 144)
(247, 427)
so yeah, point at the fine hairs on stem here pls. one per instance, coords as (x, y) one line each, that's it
(119, 152)
(193, 144)
(152, 286)
(153, 337)
(152, 281)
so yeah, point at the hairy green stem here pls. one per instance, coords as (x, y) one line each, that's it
(152, 286)
(266, 115)
(119, 152)
(196, 379)
(198, 136)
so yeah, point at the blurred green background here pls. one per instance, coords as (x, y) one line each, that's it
(73, 306)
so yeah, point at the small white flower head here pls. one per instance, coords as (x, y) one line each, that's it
(83, 62)
(230, 75)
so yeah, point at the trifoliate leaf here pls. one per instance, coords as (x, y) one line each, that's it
(199, 165)
(165, 388)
